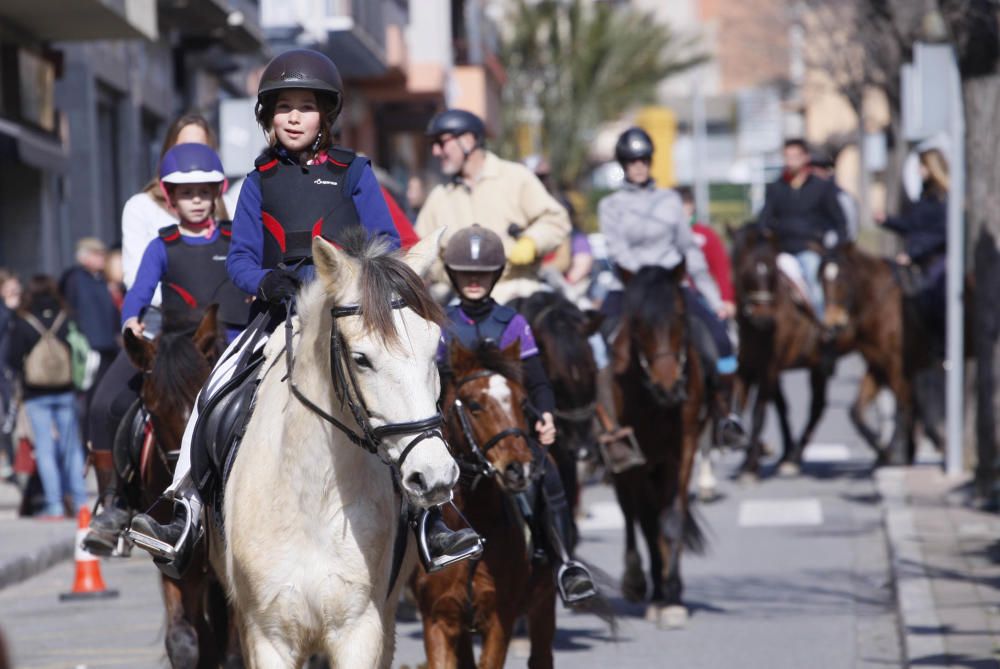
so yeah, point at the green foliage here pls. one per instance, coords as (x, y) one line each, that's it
(582, 64)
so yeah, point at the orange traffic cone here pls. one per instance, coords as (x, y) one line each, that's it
(88, 583)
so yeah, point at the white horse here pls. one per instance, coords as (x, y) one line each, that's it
(311, 517)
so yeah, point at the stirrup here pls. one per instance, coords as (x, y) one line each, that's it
(624, 436)
(433, 564)
(161, 549)
(567, 598)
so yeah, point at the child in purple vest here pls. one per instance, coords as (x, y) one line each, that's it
(474, 259)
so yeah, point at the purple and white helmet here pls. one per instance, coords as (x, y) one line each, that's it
(191, 164)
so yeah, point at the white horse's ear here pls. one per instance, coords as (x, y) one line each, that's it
(332, 264)
(422, 255)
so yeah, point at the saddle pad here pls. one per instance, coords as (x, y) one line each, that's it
(789, 267)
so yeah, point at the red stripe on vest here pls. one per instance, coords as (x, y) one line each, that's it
(186, 296)
(267, 166)
(275, 228)
(318, 228)
(172, 238)
(226, 232)
(336, 162)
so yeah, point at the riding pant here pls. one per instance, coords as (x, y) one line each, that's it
(810, 261)
(117, 390)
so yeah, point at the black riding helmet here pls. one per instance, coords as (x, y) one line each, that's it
(474, 249)
(301, 68)
(457, 122)
(633, 144)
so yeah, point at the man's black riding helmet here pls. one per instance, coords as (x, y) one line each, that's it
(457, 122)
(301, 68)
(633, 144)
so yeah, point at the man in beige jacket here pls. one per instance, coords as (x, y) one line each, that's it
(497, 194)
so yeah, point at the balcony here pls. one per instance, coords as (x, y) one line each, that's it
(235, 24)
(356, 33)
(81, 19)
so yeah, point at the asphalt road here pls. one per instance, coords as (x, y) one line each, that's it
(796, 575)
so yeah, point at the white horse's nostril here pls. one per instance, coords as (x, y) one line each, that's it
(416, 482)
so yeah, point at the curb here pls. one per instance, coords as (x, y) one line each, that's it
(23, 567)
(914, 598)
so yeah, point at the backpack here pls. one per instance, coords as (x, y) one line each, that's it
(85, 360)
(48, 363)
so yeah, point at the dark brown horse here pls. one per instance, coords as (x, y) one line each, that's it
(486, 428)
(562, 331)
(776, 334)
(660, 393)
(174, 367)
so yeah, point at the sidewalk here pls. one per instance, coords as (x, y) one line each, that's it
(29, 547)
(946, 567)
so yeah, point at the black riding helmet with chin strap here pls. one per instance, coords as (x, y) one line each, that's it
(633, 144)
(300, 68)
(457, 122)
(474, 249)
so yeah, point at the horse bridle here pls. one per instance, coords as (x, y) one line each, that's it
(479, 465)
(345, 385)
(658, 392)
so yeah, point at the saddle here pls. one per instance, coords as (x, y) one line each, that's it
(133, 440)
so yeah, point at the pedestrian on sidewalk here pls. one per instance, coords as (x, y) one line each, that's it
(39, 353)
(10, 297)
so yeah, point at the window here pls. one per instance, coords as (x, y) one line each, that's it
(37, 78)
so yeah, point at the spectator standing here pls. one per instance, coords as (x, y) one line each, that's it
(715, 254)
(39, 353)
(10, 297)
(115, 276)
(86, 291)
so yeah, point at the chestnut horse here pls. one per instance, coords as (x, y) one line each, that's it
(174, 367)
(487, 430)
(776, 334)
(660, 393)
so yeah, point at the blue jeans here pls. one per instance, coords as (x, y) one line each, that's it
(59, 456)
(809, 261)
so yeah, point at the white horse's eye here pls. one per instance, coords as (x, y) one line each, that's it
(361, 360)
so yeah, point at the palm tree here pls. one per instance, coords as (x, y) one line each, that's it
(581, 64)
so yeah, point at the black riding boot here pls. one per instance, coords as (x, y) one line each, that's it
(170, 544)
(108, 525)
(728, 426)
(439, 545)
(555, 522)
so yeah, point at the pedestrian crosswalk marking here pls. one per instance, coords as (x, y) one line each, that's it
(780, 512)
(827, 453)
(601, 516)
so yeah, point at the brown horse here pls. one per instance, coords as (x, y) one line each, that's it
(660, 393)
(776, 334)
(865, 300)
(486, 427)
(174, 367)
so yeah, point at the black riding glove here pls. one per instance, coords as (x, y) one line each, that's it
(277, 286)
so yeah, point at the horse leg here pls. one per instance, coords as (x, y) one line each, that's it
(181, 637)
(649, 522)
(781, 407)
(442, 642)
(678, 529)
(899, 450)
(706, 477)
(751, 464)
(497, 633)
(817, 383)
(264, 649)
(361, 644)
(541, 619)
(867, 392)
(633, 580)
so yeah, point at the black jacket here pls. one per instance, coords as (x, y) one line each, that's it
(924, 227)
(800, 216)
(23, 338)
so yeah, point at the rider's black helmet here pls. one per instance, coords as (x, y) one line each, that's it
(633, 144)
(301, 68)
(456, 122)
(474, 249)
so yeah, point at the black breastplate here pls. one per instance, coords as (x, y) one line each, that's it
(299, 203)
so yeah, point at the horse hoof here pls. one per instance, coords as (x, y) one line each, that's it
(789, 469)
(653, 613)
(673, 617)
(707, 495)
(749, 478)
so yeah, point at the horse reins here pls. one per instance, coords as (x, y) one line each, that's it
(345, 385)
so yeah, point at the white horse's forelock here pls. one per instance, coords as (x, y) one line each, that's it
(310, 518)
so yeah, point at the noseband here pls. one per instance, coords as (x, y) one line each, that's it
(345, 385)
(479, 466)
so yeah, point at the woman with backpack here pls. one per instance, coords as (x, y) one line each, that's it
(39, 354)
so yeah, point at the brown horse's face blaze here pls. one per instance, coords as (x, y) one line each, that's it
(493, 405)
(758, 286)
(662, 359)
(835, 297)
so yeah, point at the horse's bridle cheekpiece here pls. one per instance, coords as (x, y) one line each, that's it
(345, 384)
